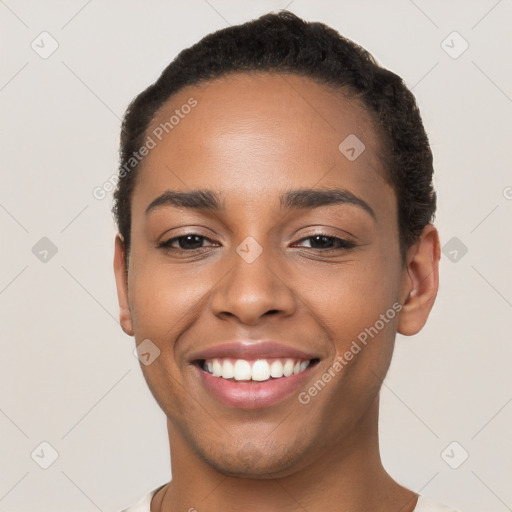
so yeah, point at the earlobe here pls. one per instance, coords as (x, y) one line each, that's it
(120, 272)
(420, 282)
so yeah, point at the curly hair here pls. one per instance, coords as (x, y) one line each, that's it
(282, 42)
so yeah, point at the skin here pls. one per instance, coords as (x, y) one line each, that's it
(251, 137)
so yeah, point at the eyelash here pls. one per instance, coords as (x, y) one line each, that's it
(343, 244)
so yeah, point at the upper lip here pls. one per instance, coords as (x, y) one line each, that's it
(250, 350)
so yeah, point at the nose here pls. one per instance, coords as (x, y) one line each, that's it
(253, 290)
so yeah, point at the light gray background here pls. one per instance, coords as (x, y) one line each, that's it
(68, 375)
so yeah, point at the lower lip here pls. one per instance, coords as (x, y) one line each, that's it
(248, 394)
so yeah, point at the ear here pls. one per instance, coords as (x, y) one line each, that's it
(420, 282)
(121, 274)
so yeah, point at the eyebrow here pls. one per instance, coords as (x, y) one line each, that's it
(300, 199)
(195, 199)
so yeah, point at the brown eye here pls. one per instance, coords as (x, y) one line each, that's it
(188, 242)
(325, 242)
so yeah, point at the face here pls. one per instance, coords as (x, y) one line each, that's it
(257, 260)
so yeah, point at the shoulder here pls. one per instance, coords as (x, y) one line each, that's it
(144, 503)
(427, 505)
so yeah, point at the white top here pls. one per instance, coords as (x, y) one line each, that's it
(424, 504)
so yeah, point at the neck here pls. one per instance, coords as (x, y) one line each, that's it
(349, 476)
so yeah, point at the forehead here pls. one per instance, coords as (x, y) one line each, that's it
(252, 133)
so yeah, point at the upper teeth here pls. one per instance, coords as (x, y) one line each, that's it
(260, 369)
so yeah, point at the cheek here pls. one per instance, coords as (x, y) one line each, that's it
(353, 294)
(358, 305)
(163, 298)
(165, 302)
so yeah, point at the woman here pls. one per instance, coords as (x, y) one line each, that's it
(275, 208)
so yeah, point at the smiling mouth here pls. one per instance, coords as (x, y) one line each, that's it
(255, 370)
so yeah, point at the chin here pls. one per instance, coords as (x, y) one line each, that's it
(249, 461)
